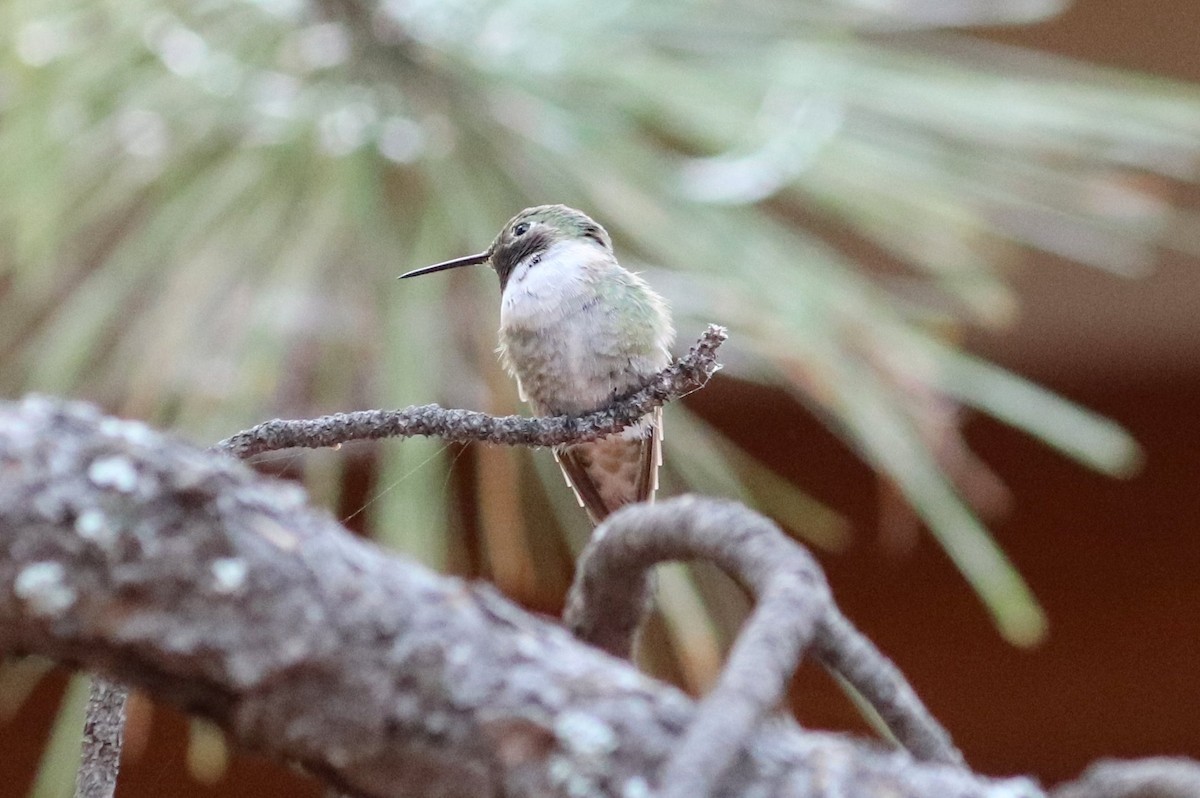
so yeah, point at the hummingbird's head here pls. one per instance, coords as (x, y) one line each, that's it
(529, 234)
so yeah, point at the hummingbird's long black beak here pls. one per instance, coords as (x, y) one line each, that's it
(469, 260)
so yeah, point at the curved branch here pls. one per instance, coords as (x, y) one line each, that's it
(183, 573)
(794, 609)
(791, 598)
(690, 373)
(850, 654)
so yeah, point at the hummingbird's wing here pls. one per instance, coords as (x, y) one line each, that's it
(608, 474)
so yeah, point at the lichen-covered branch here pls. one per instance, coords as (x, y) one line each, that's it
(794, 613)
(691, 372)
(183, 573)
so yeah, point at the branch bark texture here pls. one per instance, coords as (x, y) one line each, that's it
(103, 734)
(794, 613)
(183, 573)
(690, 373)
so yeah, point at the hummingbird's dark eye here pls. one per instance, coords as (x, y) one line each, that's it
(520, 229)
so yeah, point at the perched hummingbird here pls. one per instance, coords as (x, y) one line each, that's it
(577, 330)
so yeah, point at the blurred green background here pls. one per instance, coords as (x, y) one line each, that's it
(204, 205)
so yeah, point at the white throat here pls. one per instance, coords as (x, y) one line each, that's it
(542, 282)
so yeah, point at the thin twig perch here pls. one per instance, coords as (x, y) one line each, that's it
(690, 373)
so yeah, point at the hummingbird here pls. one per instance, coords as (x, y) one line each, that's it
(576, 331)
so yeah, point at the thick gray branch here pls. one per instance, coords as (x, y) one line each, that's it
(185, 574)
(682, 377)
(794, 609)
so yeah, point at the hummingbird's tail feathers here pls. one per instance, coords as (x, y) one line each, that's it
(658, 453)
(586, 492)
(608, 474)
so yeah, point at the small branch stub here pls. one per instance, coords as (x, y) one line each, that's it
(103, 734)
(1157, 777)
